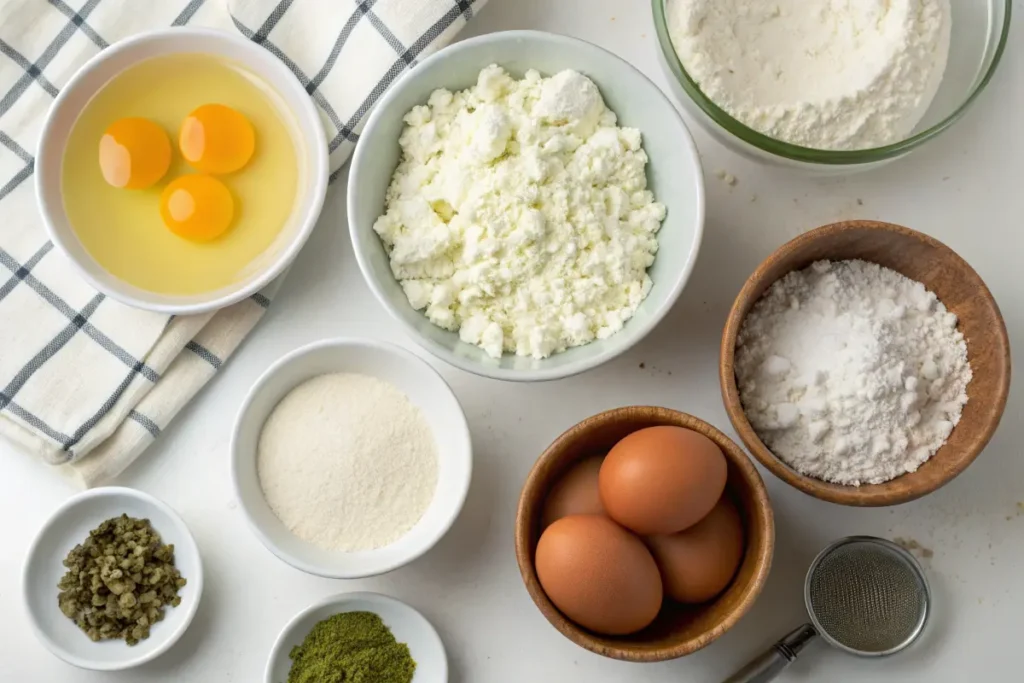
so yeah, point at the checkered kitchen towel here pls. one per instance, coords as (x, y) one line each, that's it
(85, 382)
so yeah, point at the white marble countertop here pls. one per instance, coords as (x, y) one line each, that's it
(964, 188)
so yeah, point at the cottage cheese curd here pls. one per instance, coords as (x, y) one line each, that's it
(519, 215)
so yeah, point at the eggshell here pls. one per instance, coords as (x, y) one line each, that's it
(661, 480)
(576, 493)
(598, 574)
(697, 564)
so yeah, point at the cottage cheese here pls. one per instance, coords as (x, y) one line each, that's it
(519, 215)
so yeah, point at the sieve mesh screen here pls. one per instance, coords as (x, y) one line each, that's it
(865, 596)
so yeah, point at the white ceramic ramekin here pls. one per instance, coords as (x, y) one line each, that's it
(69, 526)
(425, 388)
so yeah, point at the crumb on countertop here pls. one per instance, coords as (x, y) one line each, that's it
(912, 546)
(726, 177)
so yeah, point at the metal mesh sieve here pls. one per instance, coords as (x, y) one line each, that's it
(867, 595)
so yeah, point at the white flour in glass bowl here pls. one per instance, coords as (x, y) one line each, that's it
(823, 74)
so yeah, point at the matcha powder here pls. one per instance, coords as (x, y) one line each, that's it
(352, 647)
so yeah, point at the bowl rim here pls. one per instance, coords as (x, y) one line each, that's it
(308, 127)
(638, 332)
(340, 599)
(760, 502)
(874, 495)
(195, 582)
(799, 153)
(343, 343)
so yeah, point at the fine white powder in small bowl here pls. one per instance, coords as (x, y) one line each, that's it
(851, 372)
(347, 462)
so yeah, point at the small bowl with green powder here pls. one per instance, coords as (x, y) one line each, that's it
(358, 637)
(112, 580)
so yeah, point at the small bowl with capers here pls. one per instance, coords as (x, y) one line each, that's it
(112, 580)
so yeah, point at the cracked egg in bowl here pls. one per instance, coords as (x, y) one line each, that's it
(181, 170)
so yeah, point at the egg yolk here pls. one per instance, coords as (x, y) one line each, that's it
(197, 207)
(217, 139)
(134, 153)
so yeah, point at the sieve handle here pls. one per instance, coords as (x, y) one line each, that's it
(780, 655)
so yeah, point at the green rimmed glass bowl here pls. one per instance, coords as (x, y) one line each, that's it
(980, 30)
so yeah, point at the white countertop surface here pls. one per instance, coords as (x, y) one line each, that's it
(965, 189)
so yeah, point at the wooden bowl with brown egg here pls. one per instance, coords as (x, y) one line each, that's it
(678, 629)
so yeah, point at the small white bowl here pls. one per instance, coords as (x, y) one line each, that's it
(424, 387)
(407, 625)
(70, 526)
(673, 174)
(311, 148)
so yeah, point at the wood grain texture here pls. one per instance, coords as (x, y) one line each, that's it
(679, 629)
(942, 271)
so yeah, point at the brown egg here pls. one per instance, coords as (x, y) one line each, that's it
(576, 493)
(698, 563)
(660, 480)
(598, 574)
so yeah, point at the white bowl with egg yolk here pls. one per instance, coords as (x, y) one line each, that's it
(310, 148)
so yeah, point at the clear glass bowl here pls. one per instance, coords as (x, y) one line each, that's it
(979, 34)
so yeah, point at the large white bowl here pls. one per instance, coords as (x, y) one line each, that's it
(311, 149)
(674, 174)
(424, 387)
(407, 625)
(69, 526)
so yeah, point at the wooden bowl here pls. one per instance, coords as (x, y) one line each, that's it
(942, 271)
(679, 629)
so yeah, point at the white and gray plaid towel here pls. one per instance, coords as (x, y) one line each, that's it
(85, 382)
